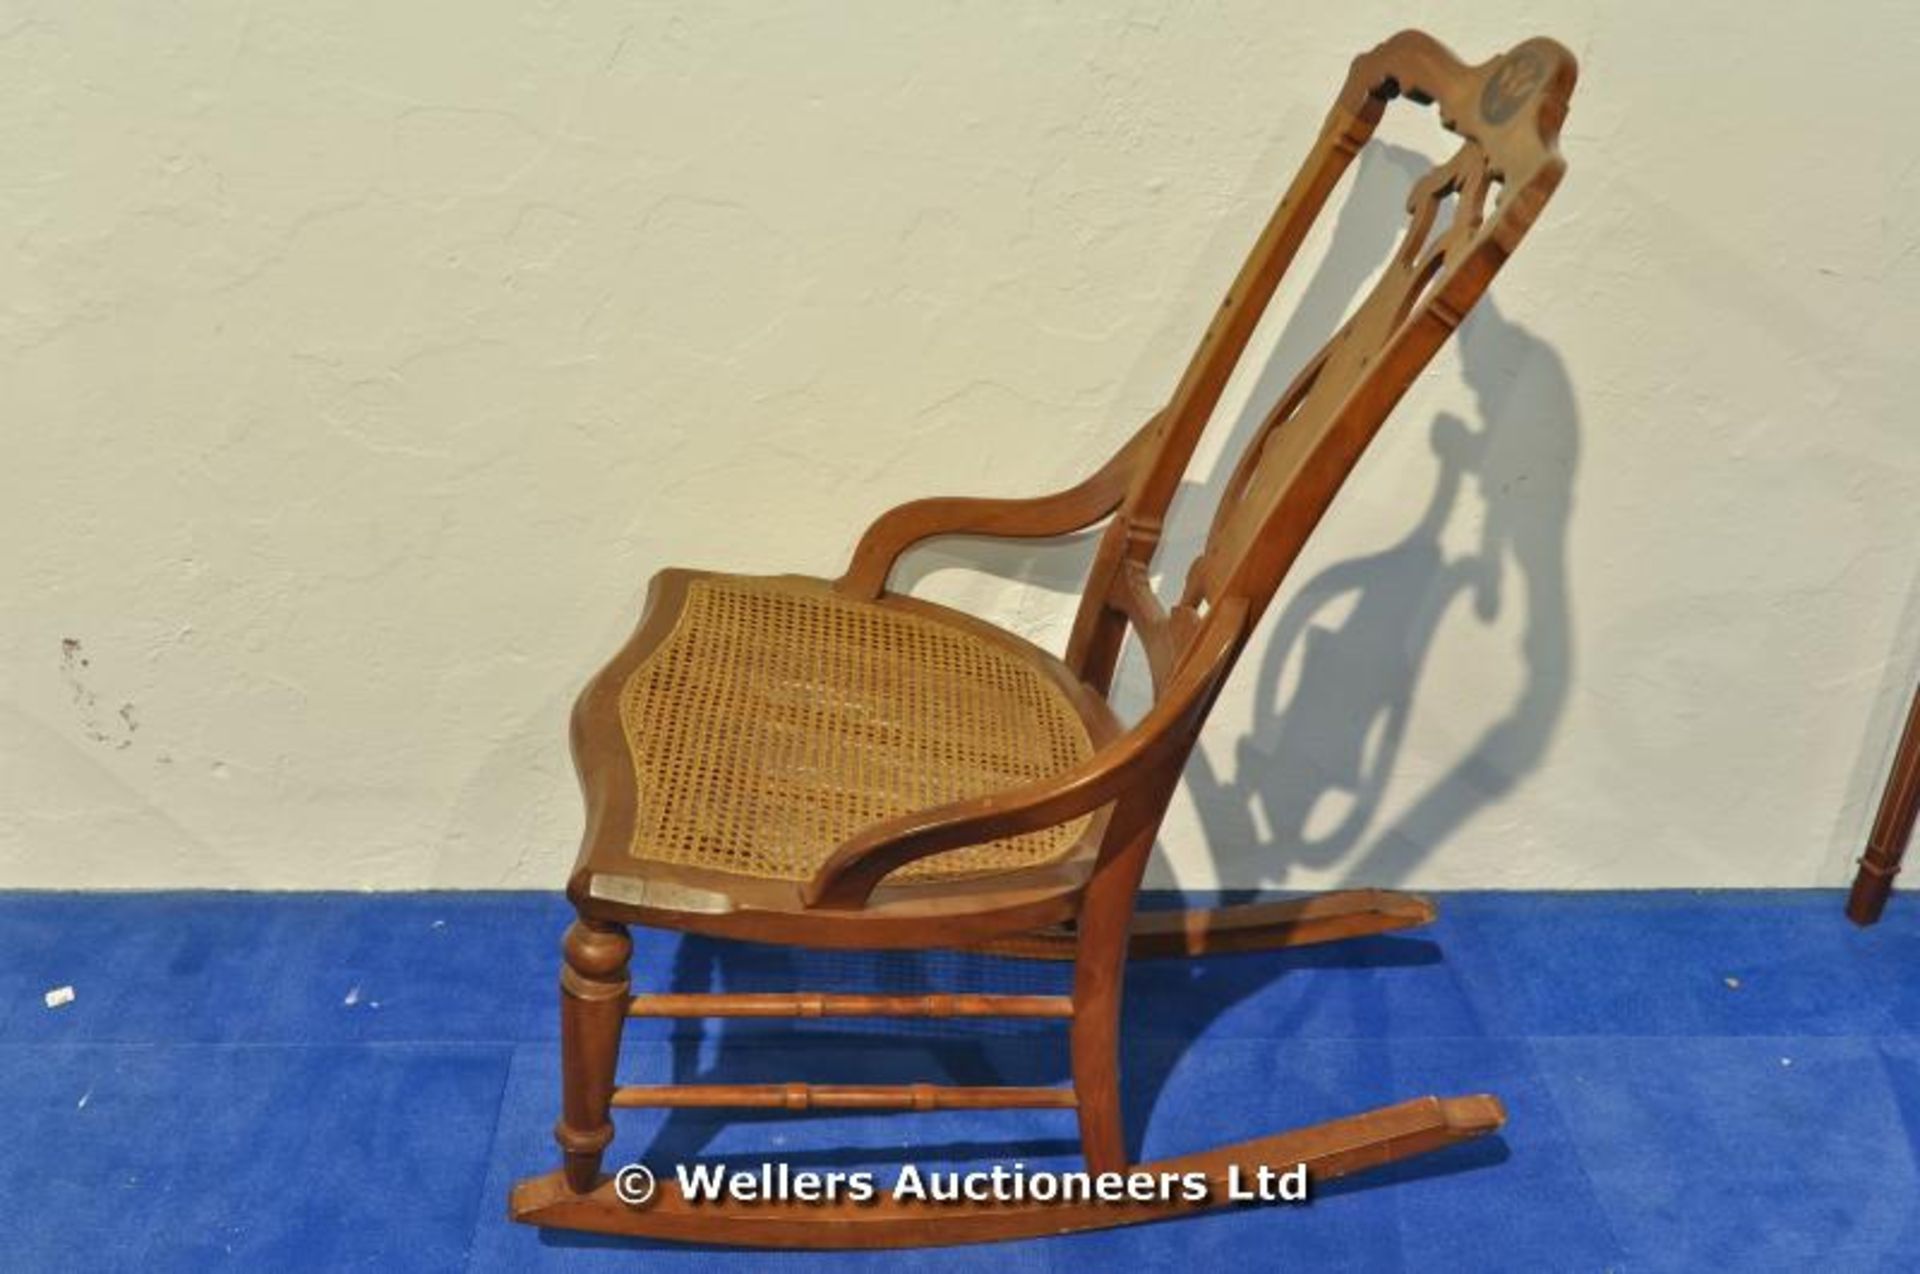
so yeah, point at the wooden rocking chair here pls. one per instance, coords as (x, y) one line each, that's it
(828, 764)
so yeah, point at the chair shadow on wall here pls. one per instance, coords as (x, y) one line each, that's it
(1359, 632)
(1335, 739)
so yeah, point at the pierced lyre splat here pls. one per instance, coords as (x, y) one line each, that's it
(1507, 112)
(1303, 415)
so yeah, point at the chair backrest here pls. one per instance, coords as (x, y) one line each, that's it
(1507, 113)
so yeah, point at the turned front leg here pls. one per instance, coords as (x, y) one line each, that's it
(593, 1009)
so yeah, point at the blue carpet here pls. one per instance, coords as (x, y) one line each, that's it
(292, 1082)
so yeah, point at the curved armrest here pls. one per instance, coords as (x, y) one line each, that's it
(853, 870)
(898, 529)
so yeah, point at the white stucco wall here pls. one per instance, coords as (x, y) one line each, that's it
(361, 361)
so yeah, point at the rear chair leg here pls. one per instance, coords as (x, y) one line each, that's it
(1099, 977)
(593, 1009)
(1095, 1040)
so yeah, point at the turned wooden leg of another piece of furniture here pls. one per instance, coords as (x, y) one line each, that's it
(593, 1009)
(1892, 826)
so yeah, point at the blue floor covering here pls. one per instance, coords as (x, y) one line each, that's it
(1717, 1081)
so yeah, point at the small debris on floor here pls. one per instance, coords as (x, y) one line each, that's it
(1786, 1061)
(1733, 984)
(82, 1103)
(353, 997)
(59, 996)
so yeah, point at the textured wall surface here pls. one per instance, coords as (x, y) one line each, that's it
(361, 361)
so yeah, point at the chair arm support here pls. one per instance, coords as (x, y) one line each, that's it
(1061, 513)
(856, 868)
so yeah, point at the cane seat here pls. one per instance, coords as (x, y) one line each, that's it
(761, 721)
(777, 718)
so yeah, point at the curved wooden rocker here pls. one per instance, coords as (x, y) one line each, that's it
(1329, 1151)
(830, 764)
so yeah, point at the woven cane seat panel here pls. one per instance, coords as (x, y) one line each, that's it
(779, 718)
